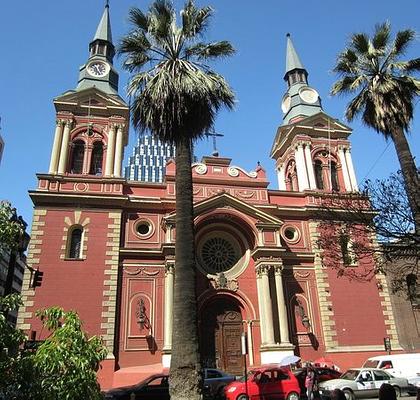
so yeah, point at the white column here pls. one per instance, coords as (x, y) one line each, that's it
(346, 177)
(301, 168)
(260, 305)
(281, 304)
(350, 168)
(62, 164)
(110, 152)
(55, 152)
(268, 310)
(118, 151)
(168, 307)
(281, 176)
(310, 167)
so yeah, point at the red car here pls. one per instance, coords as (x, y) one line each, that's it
(267, 382)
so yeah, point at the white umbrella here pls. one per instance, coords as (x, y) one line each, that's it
(289, 360)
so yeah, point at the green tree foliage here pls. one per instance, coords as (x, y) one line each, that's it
(176, 96)
(385, 89)
(63, 366)
(67, 361)
(11, 229)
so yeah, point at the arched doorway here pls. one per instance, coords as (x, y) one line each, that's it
(220, 336)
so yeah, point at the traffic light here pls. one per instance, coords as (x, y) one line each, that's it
(37, 278)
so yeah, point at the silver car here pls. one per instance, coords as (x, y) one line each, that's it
(363, 383)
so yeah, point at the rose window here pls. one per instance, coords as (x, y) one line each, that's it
(219, 255)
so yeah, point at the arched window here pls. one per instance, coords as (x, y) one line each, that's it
(75, 243)
(318, 174)
(77, 157)
(96, 161)
(334, 177)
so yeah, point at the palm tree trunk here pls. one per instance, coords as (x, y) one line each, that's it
(185, 382)
(410, 174)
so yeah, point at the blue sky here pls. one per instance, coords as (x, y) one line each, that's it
(44, 42)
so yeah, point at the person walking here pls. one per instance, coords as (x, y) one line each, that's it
(310, 382)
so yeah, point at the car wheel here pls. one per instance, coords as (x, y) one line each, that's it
(349, 394)
(292, 396)
(242, 397)
(397, 391)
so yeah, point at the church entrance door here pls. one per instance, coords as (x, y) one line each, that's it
(220, 336)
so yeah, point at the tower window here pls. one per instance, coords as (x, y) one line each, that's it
(334, 177)
(77, 157)
(413, 289)
(75, 244)
(97, 159)
(349, 257)
(318, 175)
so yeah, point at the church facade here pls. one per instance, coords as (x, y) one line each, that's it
(106, 244)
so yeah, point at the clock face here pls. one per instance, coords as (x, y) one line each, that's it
(285, 103)
(308, 95)
(98, 68)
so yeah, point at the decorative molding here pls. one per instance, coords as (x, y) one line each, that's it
(234, 172)
(201, 169)
(140, 271)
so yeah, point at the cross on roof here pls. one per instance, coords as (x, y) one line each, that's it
(213, 134)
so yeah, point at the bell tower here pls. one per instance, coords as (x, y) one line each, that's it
(92, 120)
(311, 149)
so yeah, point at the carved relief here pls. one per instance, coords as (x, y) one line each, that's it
(221, 282)
(245, 194)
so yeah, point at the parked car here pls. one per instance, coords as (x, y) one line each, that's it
(399, 365)
(362, 383)
(215, 382)
(272, 382)
(322, 374)
(157, 387)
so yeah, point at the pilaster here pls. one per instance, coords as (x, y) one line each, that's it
(109, 297)
(324, 296)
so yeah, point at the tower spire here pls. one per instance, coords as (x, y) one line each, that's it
(99, 71)
(300, 100)
(292, 59)
(103, 32)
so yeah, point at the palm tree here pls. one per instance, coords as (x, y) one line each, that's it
(385, 92)
(176, 97)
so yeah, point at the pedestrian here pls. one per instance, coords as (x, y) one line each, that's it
(310, 381)
(338, 394)
(387, 392)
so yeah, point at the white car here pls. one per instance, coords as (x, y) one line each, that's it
(363, 383)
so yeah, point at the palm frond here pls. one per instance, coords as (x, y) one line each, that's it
(195, 20)
(381, 36)
(357, 105)
(205, 51)
(406, 66)
(348, 84)
(347, 62)
(137, 18)
(402, 40)
(360, 43)
(161, 16)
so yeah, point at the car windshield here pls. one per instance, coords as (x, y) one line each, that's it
(350, 375)
(371, 364)
(249, 375)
